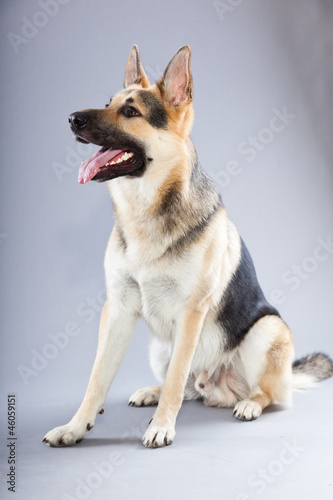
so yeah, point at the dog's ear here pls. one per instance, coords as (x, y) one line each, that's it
(134, 72)
(176, 83)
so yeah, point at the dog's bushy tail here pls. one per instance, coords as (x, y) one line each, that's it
(311, 369)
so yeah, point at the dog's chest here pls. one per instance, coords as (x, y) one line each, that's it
(163, 299)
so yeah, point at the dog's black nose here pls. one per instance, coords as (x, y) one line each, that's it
(78, 120)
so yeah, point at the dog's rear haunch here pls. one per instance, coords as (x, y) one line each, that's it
(176, 259)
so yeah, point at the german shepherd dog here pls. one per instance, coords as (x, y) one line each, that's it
(176, 259)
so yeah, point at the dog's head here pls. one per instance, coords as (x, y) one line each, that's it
(142, 125)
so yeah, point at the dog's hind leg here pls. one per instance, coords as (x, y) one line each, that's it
(159, 357)
(270, 341)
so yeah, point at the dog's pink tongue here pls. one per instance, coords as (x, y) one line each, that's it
(90, 167)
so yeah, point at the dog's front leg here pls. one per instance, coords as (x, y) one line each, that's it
(115, 333)
(161, 430)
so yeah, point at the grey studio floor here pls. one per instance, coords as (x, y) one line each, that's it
(285, 454)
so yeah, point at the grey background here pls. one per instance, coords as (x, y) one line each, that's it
(247, 61)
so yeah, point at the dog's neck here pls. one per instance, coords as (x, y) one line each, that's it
(142, 195)
(164, 202)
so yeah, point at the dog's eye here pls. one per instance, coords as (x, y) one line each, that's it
(130, 111)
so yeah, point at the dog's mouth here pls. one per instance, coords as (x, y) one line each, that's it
(109, 163)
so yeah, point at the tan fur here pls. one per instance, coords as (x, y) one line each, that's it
(134, 70)
(278, 363)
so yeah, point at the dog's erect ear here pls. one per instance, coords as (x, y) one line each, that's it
(134, 72)
(176, 82)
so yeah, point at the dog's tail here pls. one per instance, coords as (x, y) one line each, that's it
(311, 369)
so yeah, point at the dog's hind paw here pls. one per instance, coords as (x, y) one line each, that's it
(247, 410)
(145, 397)
(66, 435)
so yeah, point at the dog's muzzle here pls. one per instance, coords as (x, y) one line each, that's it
(120, 154)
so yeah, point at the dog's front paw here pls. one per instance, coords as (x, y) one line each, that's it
(157, 436)
(67, 435)
(247, 410)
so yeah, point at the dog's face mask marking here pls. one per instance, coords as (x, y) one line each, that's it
(122, 152)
